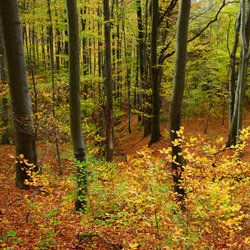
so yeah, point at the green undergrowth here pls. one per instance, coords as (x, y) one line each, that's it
(133, 203)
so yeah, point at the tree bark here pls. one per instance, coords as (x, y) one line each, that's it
(177, 95)
(52, 63)
(232, 82)
(19, 91)
(3, 78)
(75, 106)
(108, 84)
(140, 48)
(155, 136)
(243, 68)
(236, 119)
(84, 49)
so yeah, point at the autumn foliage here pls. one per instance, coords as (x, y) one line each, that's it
(131, 204)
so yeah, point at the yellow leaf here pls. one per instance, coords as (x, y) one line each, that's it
(192, 140)
(134, 246)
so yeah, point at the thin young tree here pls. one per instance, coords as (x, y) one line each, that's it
(155, 135)
(108, 84)
(75, 105)
(140, 51)
(19, 92)
(232, 81)
(52, 65)
(177, 95)
(3, 79)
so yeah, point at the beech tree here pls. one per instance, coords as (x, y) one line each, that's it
(19, 92)
(75, 105)
(108, 84)
(177, 94)
(3, 78)
(155, 136)
(236, 93)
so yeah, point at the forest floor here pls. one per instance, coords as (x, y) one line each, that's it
(44, 218)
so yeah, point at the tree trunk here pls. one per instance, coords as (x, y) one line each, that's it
(118, 53)
(177, 95)
(147, 96)
(58, 50)
(232, 82)
(108, 84)
(155, 136)
(236, 120)
(52, 63)
(242, 69)
(5, 115)
(75, 105)
(127, 55)
(84, 50)
(19, 91)
(140, 48)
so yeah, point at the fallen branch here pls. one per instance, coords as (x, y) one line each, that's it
(16, 199)
(82, 238)
(20, 198)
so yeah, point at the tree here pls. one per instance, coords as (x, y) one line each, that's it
(75, 105)
(52, 62)
(155, 136)
(3, 73)
(108, 84)
(177, 95)
(140, 48)
(19, 92)
(236, 97)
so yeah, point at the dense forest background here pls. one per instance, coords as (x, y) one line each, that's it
(158, 122)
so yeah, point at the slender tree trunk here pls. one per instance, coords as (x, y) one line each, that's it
(108, 83)
(128, 68)
(58, 49)
(52, 63)
(232, 83)
(19, 91)
(3, 79)
(118, 53)
(75, 105)
(236, 120)
(66, 48)
(140, 48)
(43, 47)
(147, 96)
(177, 95)
(155, 136)
(100, 75)
(84, 50)
(242, 69)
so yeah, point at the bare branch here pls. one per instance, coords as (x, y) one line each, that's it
(168, 10)
(212, 21)
(199, 33)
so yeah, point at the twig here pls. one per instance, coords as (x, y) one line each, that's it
(16, 199)
(81, 240)
(20, 198)
(211, 222)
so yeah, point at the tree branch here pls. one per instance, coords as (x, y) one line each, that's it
(168, 10)
(199, 33)
(212, 21)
